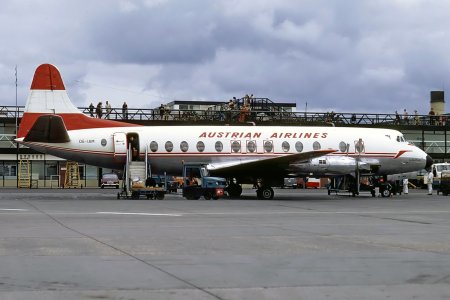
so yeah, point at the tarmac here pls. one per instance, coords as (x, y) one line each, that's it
(86, 244)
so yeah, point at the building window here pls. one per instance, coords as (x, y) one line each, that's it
(268, 146)
(316, 145)
(169, 146)
(8, 170)
(285, 146)
(200, 146)
(299, 146)
(219, 146)
(235, 146)
(153, 146)
(184, 146)
(251, 146)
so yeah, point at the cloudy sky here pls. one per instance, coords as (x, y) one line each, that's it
(346, 56)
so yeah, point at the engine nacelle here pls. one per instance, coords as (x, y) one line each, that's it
(334, 165)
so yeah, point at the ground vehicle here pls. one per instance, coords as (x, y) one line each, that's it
(290, 183)
(161, 180)
(444, 185)
(372, 184)
(110, 179)
(150, 189)
(438, 169)
(198, 183)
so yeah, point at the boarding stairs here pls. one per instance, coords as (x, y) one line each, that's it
(72, 177)
(134, 170)
(24, 174)
(137, 170)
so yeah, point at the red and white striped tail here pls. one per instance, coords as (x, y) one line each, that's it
(48, 96)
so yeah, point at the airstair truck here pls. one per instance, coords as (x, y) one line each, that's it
(198, 183)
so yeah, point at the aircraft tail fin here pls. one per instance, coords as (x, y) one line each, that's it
(48, 96)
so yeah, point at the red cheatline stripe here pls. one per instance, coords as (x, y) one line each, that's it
(401, 152)
(380, 155)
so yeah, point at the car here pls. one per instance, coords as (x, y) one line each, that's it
(110, 179)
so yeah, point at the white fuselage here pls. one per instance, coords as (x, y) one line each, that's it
(216, 145)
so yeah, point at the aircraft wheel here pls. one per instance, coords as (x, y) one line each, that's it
(234, 190)
(207, 195)
(386, 193)
(265, 193)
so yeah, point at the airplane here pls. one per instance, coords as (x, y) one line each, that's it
(261, 155)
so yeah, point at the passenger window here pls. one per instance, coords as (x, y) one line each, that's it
(343, 146)
(316, 145)
(169, 146)
(200, 146)
(219, 146)
(153, 146)
(235, 146)
(285, 146)
(268, 146)
(184, 146)
(251, 146)
(299, 146)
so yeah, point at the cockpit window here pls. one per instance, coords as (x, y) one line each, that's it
(400, 139)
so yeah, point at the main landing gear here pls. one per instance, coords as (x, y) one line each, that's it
(263, 191)
(234, 190)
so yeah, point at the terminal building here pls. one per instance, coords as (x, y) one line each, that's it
(428, 131)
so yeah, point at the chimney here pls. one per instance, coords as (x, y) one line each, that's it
(437, 102)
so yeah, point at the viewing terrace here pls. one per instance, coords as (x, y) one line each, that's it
(259, 117)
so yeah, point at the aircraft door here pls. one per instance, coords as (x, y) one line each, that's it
(133, 143)
(120, 145)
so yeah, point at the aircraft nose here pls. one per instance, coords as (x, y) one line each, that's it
(428, 163)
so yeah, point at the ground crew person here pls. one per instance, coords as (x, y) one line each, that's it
(430, 183)
(405, 186)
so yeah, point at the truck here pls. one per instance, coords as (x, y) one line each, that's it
(444, 186)
(438, 169)
(198, 183)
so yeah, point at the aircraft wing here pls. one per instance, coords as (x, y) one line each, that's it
(263, 168)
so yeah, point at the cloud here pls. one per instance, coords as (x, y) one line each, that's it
(377, 56)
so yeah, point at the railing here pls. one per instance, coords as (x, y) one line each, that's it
(257, 116)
